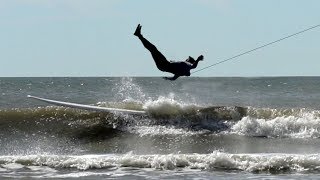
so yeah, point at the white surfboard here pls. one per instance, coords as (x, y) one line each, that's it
(87, 107)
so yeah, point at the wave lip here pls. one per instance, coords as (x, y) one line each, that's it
(216, 161)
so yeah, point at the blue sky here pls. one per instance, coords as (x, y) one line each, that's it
(94, 38)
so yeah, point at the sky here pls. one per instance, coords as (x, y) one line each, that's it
(95, 37)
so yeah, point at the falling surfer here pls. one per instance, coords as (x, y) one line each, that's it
(179, 68)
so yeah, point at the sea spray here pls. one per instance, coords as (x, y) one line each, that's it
(128, 91)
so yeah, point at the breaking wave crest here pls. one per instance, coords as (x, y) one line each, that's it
(295, 123)
(257, 163)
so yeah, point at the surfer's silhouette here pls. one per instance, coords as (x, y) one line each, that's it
(179, 68)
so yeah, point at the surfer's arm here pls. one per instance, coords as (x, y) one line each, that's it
(195, 64)
(172, 78)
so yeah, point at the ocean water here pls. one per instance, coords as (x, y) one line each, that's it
(194, 128)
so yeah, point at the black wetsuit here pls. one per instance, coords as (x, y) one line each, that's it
(181, 68)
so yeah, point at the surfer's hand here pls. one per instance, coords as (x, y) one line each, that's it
(200, 58)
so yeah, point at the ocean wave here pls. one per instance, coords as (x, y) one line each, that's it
(216, 161)
(83, 124)
(56, 122)
(166, 116)
(272, 113)
(290, 126)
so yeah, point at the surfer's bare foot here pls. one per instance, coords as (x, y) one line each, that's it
(138, 31)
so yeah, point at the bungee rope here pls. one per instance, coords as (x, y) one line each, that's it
(260, 47)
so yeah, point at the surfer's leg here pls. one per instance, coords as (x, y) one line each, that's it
(160, 60)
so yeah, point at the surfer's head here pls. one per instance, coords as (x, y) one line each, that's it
(190, 60)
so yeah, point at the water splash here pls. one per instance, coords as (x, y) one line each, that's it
(128, 91)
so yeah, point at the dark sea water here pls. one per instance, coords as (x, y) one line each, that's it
(194, 128)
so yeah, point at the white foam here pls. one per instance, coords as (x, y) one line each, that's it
(216, 160)
(76, 175)
(42, 169)
(161, 130)
(167, 106)
(12, 166)
(307, 126)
